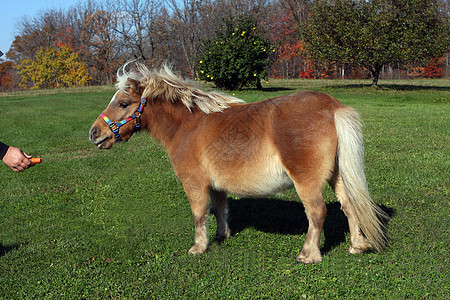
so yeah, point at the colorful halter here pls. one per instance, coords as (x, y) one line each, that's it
(137, 115)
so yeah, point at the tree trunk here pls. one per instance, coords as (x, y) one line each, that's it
(258, 84)
(375, 70)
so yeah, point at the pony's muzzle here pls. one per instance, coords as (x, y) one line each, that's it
(97, 138)
(94, 133)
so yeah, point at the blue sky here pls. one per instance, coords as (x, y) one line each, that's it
(12, 11)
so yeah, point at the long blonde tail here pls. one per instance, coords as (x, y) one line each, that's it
(351, 167)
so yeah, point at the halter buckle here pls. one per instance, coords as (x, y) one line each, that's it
(114, 127)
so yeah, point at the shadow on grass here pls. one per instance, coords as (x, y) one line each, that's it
(276, 89)
(410, 87)
(394, 87)
(287, 217)
(5, 249)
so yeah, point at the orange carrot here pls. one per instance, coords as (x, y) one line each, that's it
(36, 160)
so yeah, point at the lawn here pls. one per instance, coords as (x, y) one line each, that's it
(116, 224)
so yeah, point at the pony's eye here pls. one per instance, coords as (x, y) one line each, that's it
(123, 105)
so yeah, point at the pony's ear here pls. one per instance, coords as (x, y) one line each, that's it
(135, 86)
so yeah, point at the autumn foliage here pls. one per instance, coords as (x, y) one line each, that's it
(6, 75)
(51, 68)
(87, 43)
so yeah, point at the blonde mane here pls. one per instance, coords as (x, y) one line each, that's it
(164, 84)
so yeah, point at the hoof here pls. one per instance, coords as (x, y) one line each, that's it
(198, 249)
(352, 250)
(309, 259)
(222, 236)
(360, 247)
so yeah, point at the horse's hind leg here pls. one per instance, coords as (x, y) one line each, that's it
(316, 211)
(358, 243)
(220, 210)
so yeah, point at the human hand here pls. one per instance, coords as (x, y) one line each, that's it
(17, 160)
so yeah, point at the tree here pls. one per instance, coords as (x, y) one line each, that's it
(138, 25)
(185, 28)
(291, 59)
(236, 58)
(36, 33)
(373, 33)
(7, 75)
(97, 44)
(193, 21)
(300, 9)
(53, 68)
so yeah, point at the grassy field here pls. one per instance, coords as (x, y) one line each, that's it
(116, 224)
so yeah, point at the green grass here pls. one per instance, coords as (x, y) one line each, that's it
(116, 224)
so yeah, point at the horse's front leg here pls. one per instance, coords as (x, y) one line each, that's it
(197, 193)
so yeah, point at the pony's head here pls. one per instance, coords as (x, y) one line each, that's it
(121, 118)
(135, 84)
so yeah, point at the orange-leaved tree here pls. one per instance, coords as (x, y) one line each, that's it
(6, 75)
(52, 68)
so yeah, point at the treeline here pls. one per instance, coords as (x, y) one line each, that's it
(105, 34)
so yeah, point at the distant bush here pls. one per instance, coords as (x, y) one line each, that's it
(236, 58)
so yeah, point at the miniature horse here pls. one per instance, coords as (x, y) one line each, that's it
(218, 144)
